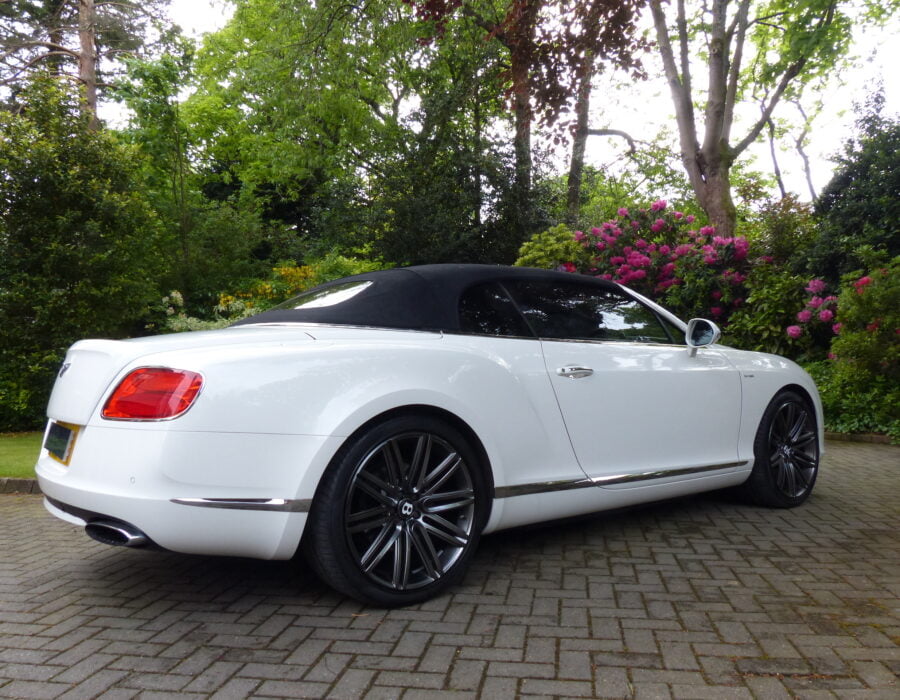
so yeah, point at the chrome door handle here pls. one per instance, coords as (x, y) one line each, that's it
(574, 372)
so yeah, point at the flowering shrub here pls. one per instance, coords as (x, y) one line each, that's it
(860, 386)
(817, 320)
(658, 252)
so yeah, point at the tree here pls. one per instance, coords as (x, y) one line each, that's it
(72, 38)
(552, 48)
(78, 251)
(859, 209)
(765, 51)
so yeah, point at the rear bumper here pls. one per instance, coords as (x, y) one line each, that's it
(198, 493)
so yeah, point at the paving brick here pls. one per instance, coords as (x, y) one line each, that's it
(703, 597)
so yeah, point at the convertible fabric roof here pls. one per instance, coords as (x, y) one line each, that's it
(424, 297)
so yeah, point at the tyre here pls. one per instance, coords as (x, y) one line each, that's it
(786, 452)
(398, 512)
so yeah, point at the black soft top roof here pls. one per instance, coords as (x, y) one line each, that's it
(424, 297)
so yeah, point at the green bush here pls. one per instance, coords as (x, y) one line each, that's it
(550, 249)
(78, 245)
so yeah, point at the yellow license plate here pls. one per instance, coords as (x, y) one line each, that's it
(60, 441)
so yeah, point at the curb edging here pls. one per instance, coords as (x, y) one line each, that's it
(12, 485)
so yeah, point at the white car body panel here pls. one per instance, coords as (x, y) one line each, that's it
(279, 400)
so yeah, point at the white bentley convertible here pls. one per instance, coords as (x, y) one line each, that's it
(381, 423)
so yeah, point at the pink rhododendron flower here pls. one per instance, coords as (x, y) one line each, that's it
(635, 224)
(657, 226)
(861, 283)
(683, 249)
(826, 315)
(600, 245)
(606, 276)
(874, 326)
(707, 231)
(659, 205)
(716, 294)
(640, 243)
(836, 328)
(831, 298)
(710, 260)
(665, 250)
(579, 235)
(738, 278)
(737, 302)
(815, 286)
(815, 302)
(690, 218)
(622, 211)
(716, 311)
(677, 214)
(719, 240)
(766, 259)
(794, 331)
(832, 356)
(804, 316)
(616, 260)
(567, 267)
(667, 269)
(595, 231)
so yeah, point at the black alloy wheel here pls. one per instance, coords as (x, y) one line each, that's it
(787, 453)
(399, 512)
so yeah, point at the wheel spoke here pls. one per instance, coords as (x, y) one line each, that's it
(457, 499)
(427, 553)
(805, 461)
(805, 439)
(797, 425)
(442, 472)
(444, 529)
(419, 466)
(401, 559)
(381, 491)
(393, 461)
(386, 539)
(789, 477)
(368, 519)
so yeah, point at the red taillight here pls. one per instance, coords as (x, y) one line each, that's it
(152, 393)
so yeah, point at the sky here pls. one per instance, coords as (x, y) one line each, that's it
(646, 107)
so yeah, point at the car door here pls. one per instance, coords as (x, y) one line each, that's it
(635, 401)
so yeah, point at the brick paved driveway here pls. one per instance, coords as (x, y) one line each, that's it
(698, 598)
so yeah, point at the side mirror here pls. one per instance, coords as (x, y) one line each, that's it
(701, 333)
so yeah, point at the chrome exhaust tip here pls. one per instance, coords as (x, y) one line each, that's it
(115, 533)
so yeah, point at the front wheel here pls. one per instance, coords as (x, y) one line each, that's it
(786, 453)
(398, 513)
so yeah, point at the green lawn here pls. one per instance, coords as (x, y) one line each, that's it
(18, 453)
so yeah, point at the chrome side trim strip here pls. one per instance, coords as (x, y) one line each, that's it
(281, 505)
(611, 480)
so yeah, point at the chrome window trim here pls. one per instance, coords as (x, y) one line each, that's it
(611, 480)
(279, 505)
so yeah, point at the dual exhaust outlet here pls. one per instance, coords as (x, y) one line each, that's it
(116, 533)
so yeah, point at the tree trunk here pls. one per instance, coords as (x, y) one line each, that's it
(579, 141)
(522, 147)
(715, 198)
(87, 59)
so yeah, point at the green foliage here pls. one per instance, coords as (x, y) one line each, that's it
(771, 306)
(785, 229)
(78, 244)
(550, 249)
(860, 384)
(869, 314)
(861, 205)
(284, 281)
(210, 245)
(854, 404)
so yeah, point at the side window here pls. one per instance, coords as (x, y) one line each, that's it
(574, 311)
(486, 309)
